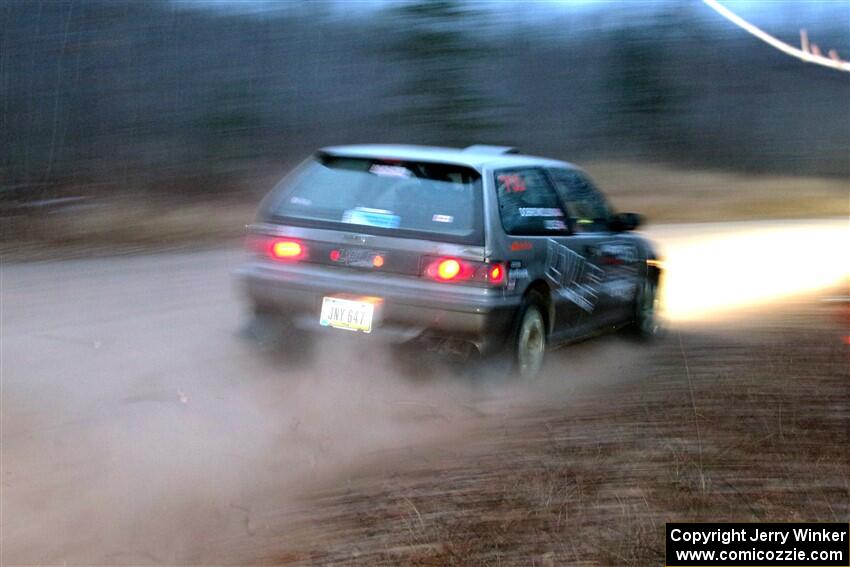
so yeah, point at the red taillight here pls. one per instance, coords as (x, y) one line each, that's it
(457, 270)
(496, 274)
(287, 249)
(277, 248)
(449, 269)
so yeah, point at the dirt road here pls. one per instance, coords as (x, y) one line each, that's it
(137, 428)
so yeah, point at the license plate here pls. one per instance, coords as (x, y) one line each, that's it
(348, 314)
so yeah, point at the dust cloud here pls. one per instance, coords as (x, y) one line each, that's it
(140, 428)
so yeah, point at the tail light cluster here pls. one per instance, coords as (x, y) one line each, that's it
(444, 269)
(450, 270)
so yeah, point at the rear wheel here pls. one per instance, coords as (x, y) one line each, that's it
(523, 351)
(647, 324)
(530, 341)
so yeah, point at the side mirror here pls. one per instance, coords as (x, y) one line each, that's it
(622, 222)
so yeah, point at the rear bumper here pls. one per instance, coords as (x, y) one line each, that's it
(411, 307)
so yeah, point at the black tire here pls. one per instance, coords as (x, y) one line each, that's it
(528, 344)
(507, 363)
(646, 324)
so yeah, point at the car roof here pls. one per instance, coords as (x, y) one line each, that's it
(475, 156)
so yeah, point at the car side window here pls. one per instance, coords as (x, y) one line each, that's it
(586, 207)
(528, 204)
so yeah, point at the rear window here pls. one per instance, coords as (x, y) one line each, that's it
(399, 198)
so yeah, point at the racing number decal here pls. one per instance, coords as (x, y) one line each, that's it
(513, 183)
(574, 277)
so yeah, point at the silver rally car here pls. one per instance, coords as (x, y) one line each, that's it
(479, 249)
